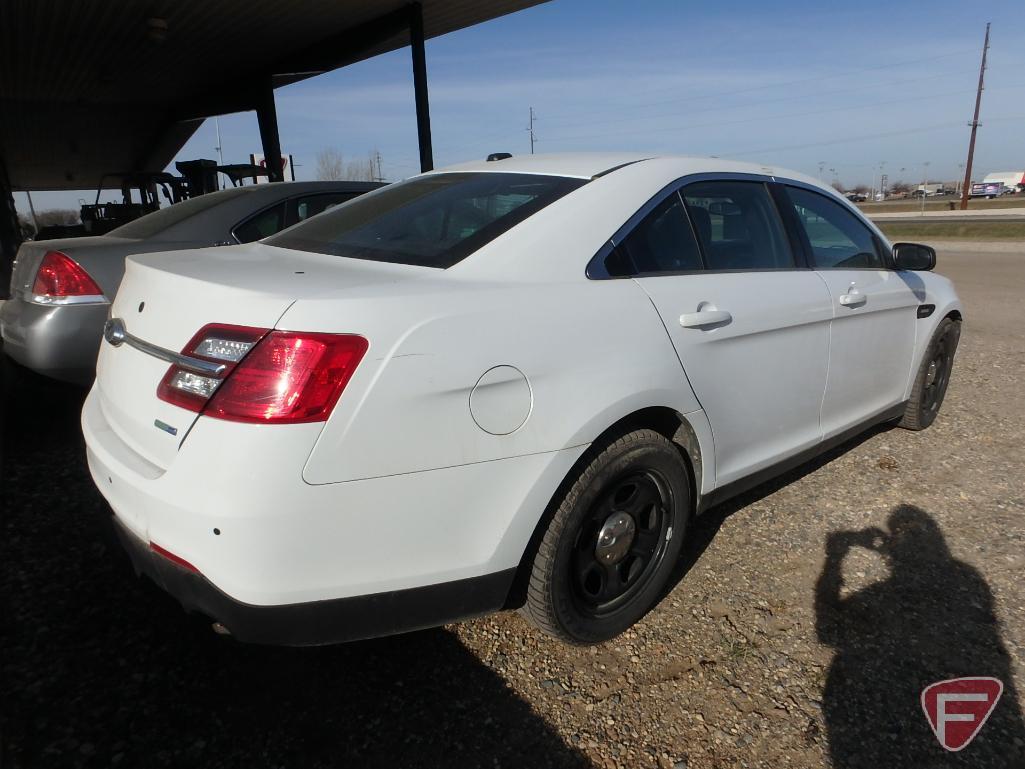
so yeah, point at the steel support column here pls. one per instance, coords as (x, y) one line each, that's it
(423, 112)
(267, 117)
(10, 230)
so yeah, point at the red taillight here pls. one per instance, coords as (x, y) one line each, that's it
(59, 275)
(215, 343)
(286, 376)
(289, 377)
(176, 559)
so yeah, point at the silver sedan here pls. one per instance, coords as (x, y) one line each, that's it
(61, 289)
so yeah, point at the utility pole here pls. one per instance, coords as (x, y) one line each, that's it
(220, 153)
(966, 188)
(530, 128)
(925, 183)
(376, 160)
(32, 210)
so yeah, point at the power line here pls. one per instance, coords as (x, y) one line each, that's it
(748, 105)
(781, 84)
(762, 118)
(843, 140)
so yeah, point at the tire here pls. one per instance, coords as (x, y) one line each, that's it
(933, 377)
(579, 599)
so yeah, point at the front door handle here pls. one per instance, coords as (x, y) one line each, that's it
(853, 297)
(704, 318)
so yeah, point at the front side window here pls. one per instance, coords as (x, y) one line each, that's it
(838, 240)
(430, 221)
(738, 226)
(663, 241)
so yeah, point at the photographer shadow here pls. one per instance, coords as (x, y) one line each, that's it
(932, 619)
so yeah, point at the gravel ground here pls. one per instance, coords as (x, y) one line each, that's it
(809, 615)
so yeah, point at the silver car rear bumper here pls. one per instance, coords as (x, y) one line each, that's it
(58, 341)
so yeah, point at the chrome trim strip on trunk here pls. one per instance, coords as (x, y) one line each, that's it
(115, 333)
(61, 301)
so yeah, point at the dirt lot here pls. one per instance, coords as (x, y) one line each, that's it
(795, 637)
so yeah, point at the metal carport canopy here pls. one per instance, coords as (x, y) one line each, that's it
(88, 88)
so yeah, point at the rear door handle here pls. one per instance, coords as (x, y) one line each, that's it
(704, 318)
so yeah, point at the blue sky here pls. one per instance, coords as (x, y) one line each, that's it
(800, 84)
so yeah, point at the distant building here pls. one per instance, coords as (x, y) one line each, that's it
(1013, 179)
(934, 188)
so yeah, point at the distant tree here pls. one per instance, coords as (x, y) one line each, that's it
(862, 189)
(899, 188)
(838, 186)
(57, 216)
(359, 170)
(51, 217)
(330, 165)
(28, 230)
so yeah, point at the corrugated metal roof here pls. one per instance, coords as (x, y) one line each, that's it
(92, 87)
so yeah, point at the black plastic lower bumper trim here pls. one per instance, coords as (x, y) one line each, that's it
(321, 622)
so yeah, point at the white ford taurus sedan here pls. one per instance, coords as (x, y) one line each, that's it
(503, 384)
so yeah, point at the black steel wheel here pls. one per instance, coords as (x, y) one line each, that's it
(620, 541)
(612, 541)
(933, 376)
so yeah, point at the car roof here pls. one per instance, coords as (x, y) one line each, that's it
(287, 189)
(588, 165)
(214, 214)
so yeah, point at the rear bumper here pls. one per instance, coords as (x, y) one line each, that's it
(320, 622)
(283, 561)
(58, 341)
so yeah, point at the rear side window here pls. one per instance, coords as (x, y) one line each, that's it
(738, 226)
(662, 242)
(838, 240)
(430, 221)
(267, 222)
(311, 205)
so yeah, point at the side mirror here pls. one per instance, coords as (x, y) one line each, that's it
(913, 256)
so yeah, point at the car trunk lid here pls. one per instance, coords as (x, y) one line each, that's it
(165, 298)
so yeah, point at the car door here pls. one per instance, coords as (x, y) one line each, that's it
(750, 327)
(872, 335)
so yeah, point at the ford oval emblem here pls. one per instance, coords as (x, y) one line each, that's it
(114, 331)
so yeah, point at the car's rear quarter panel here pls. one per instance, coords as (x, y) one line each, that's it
(589, 350)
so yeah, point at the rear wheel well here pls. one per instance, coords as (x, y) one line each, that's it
(954, 315)
(661, 419)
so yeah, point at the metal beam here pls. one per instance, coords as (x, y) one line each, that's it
(423, 111)
(10, 229)
(267, 116)
(327, 54)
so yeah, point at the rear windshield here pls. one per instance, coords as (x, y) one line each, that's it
(153, 224)
(429, 221)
